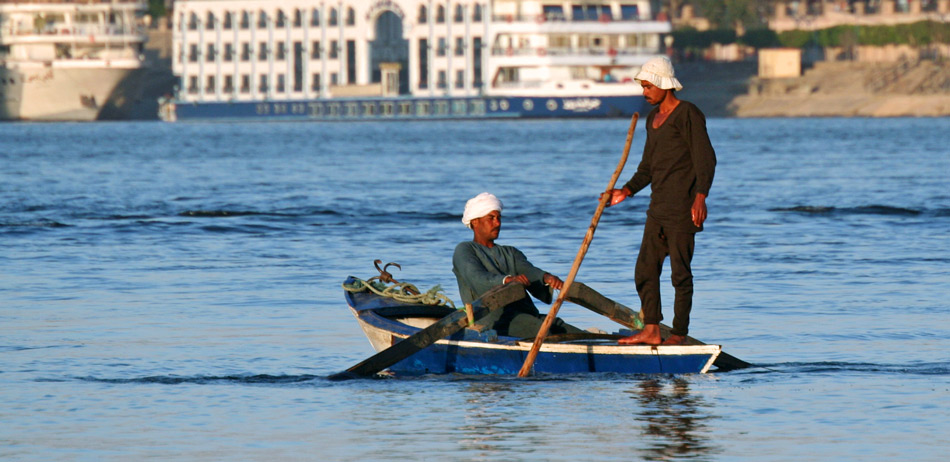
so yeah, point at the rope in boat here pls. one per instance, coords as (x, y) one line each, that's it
(399, 291)
(402, 292)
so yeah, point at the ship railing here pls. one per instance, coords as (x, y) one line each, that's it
(561, 17)
(140, 3)
(85, 31)
(569, 51)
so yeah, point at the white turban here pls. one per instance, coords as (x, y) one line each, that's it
(479, 206)
(659, 72)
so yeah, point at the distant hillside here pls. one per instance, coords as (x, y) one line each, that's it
(829, 89)
(899, 89)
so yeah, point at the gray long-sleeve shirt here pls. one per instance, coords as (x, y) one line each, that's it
(478, 268)
(678, 162)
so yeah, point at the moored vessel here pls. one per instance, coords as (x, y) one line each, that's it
(62, 60)
(409, 59)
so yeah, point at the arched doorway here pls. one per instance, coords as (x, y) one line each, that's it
(390, 47)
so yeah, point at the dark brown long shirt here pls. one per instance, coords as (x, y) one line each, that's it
(678, 162)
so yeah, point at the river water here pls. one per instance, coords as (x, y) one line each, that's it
(172, 291)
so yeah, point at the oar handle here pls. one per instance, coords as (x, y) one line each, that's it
(605, 198)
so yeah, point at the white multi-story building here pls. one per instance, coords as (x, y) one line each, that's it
(303, 51)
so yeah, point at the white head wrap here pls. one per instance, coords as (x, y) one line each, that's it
(659, 72)
(479, 206)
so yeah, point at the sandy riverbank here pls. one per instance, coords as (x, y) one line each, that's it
(828, 89)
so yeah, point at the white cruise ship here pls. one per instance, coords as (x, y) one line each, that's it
(61, 60)
(409, 59)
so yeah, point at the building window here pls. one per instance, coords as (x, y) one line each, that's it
(262, 51)
(440, 14)
(281, 88)
(193, 84)
(590, 12)
(228, 21)
(209, 57)
(477, 13)
(245, 51)
(245, 20)
(209, 22)
(477, 62)
(350, 17)
(351, 62)
(262, 88)
(334, 49)
(281, 19)
(281, 50)
(459, 15)
(629, 12)
(209, 86)
(228, 52)
(193, 22)
(245, 83)
(298, 18)
(460, 79)
(423, 64)
(315, 17)
(228, 84)
(442, 82)
(315, 49)
(334, 78)
(333, 17)
(440, 50)
(459, 46)
(315, 82)
(423, 15)
(193, 53)
(298, 65)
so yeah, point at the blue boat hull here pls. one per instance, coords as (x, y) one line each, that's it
(386, 322)
(414, 108)
(455, 357)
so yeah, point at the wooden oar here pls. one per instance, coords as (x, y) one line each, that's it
(589, 298)
(583, 295)
(494, 299)
(552, 315)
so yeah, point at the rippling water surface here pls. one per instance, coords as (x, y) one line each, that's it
(172, 291)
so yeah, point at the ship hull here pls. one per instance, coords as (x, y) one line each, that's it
(52, 93)
(408, 108)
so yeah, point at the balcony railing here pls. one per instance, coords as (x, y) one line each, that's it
(84, 31)
(570, 51)
(561, 17)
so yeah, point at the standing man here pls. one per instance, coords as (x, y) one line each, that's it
(678, 163)
(480, 264)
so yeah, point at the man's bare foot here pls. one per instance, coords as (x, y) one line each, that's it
(675, 340)
(650, 335)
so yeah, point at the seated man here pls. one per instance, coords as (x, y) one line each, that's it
(479, 265)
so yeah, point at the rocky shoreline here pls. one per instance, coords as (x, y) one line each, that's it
(827, 89)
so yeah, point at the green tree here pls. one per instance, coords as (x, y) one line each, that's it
(727, 14)
(156, 8)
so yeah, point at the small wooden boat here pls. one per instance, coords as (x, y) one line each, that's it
(387, 321)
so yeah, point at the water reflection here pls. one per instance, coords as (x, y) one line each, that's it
(673, 419)
(490, 427)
